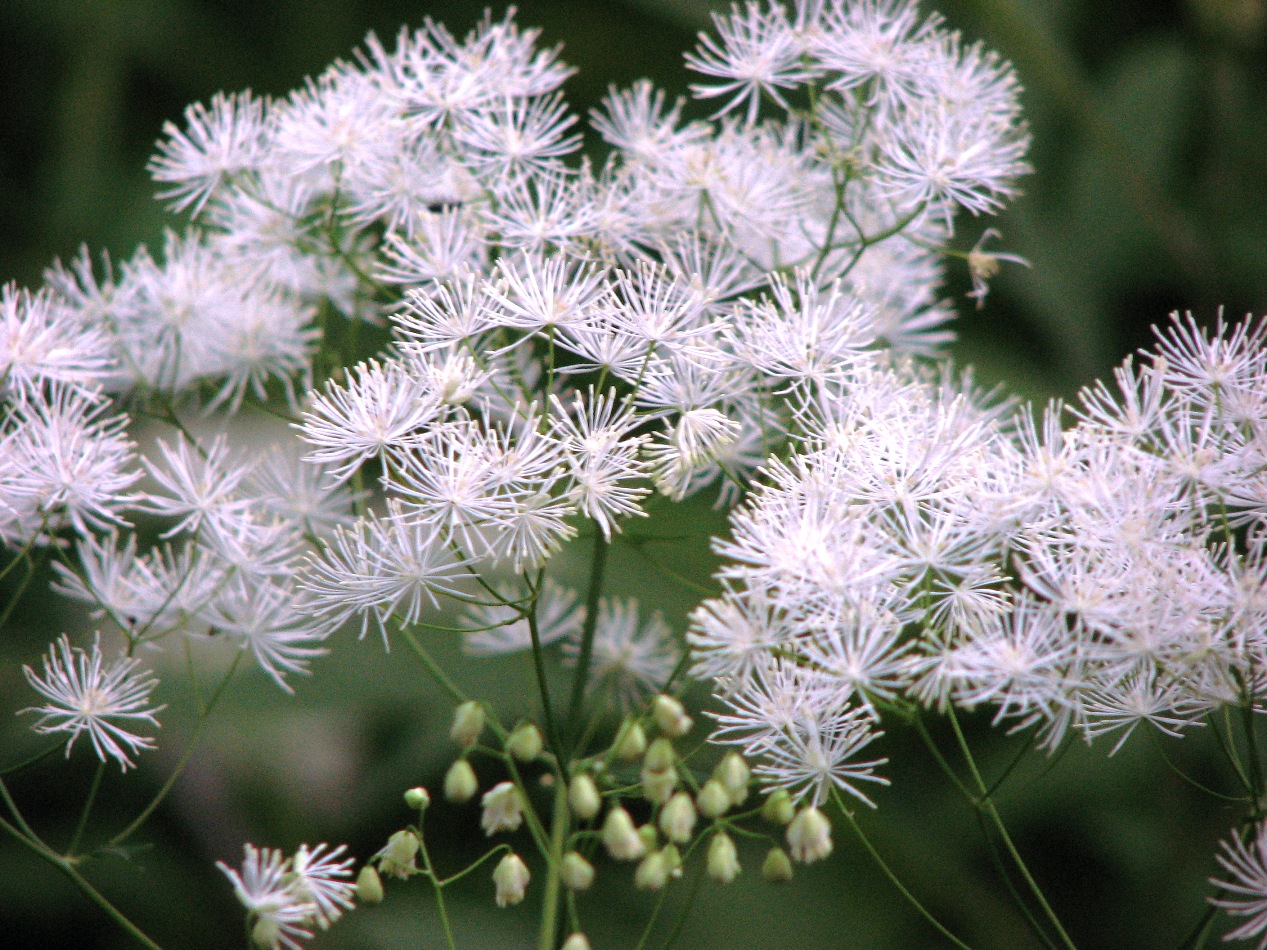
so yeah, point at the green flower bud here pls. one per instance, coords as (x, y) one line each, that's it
(653, 872)
(418, 798)
(777, 867)
(734, 775)
(657, 787)
(576, 873)
(525, 742)
(398, 857)
(369, 886)
(620, 837)
(673, 858)
(468, 722)
(267, 932)
(631, 741)
(778, 808)
(670, 716)
(460, 783)
(677, 818)
(660, 756)
(510, 878)
(649, 836)
(809, 836)
(583, 797)
(578, 941)
(713, 800)
(723, 858)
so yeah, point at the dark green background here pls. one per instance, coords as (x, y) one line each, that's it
(1150, 195)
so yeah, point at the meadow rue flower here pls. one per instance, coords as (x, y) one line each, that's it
(460, 783)
(503, 808)
(510, 878)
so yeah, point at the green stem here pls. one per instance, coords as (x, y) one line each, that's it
(438, 887)
(987, 804)
(35, 759)
(598, 567)
(73, 847)
(559, 826)
(543, 685)
(893, 878)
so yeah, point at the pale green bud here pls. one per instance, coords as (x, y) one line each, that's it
(620, 837)
(369, 886)
(723, 858)
(653, 872)
(713, 800)
(809, 836)
(578, 941)
(657, 787)
(583, 797)
(398, 857)
(460, 783)
(267, 932)
(576, 873)
(677, 818)
(648, 835)
(468, 722)
(510, 878)
(673, 858)
(525, 742)
(631, 741)
(670, 716)
(777, 866)
(418, 798)
(503, 808)
(660, 756)
(733, 773)
(778, 808)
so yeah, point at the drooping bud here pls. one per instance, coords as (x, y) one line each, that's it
(660, 756)
(649, 836)
(460, 783)
(677, 818)
(713, 800)
(673, 858)
(733, 773)
(670, 716)
(468, 722)
(576, 873)
(657, 787)
(777, 866)
(723, 858)
(583, 797)
(778, 808)
(369, 886)
(578, 941)
(503, 808)
(418, 798)
(621, 838)
(525, 742)
(652, 872)
(399, 856)
(510, 877)
(631, 741)
(809, 836)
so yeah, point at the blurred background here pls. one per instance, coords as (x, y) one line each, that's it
(1150, 195)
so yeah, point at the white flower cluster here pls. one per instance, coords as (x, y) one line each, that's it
(920, 546)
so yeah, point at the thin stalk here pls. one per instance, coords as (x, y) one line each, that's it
(893, 878)
(438, 887)
(35, 759)
(988, 805)
(686, 907)
(559, 824)
(598, 568)
(543, 685)
(78, 836)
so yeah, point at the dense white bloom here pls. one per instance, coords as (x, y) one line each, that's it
(88, 694)
(1244, 861)
(285, 896)
(634, 657)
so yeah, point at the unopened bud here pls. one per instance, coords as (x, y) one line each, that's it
(576, 873)
(733, 773)
(398, 857)
(468, 722)
(525, 742)
(583, 797)
(713, 800)
(778, 808)
(631, 741)
(503, 808)
(677, 819)
(657, 787)
(578, 941)
(620, 837)
(369, 886)
(653, 872)
(660, 756)
(418, 798)
(809, 836)
(460, 783)
(510, 877)
(670, 716)
(673, 858)
(723, 858)
(649, 836)
(777, 866)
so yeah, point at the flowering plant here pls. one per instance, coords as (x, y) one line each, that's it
(488, 361)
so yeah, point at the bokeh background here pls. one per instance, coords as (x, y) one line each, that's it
(1150, 195)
